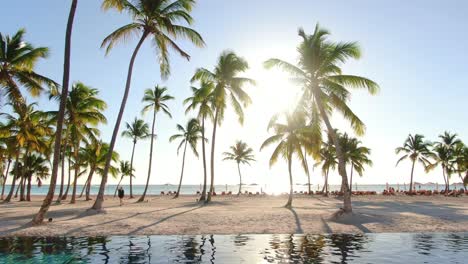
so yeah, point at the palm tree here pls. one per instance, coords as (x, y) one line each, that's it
(319, 72)
(417, 150)
(291, 137)
(445, 156)
(17, 61)
(155, 99)
(202, 101)
(328, 160)
(34, 164)
(39, 217)
(137, 130)
(10, 150)
(125, 170)
(461, 161)
(190, 136)
(227, 86)
(240, 153)
(154, 19)
(356, 155)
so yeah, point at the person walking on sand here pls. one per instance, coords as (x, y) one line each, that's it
(121, 195)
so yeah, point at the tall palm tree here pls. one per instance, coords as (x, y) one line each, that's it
(202, 101)
(125, 170)
(39, 217)
(417, 150)
(34, 164)
(10, 150)
(151, 19)
(329, 161)
(291, 137)
(240, 153)
(356, 155)
(154, 99)
(320, 74)
(137, 130)
(445, 156)
(228, 86)
(190, 136)
(17, 61)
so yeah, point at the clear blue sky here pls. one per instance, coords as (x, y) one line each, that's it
(415, 50)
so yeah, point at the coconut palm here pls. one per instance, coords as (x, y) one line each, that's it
(240, 153)
(291, 137)
(228, 86)
(125, 170)
(151, 19)
(356, 155)
(190, 136)
(39, 217)
(17, 61)
(201, 101)
(154, 99)
(10, 149)
(416, 150)
(34, 165)
(461, 161)
(320, 74)
(137, 130)
(328, 161)
(445, 156)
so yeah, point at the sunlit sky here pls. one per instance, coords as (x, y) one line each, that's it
(415, 50)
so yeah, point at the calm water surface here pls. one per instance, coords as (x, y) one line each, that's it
(333, 248)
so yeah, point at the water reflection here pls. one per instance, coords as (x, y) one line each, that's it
(333, 248)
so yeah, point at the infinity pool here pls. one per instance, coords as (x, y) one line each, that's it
(339, 248)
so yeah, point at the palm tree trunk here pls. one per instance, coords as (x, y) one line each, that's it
(28, 192)
(22, 189)
(118, 185)
(15, 176)
(85, 186)
(445, 179)
(23, 176)
(240, 179)
(289, 203)
(213, 140)
(203, 194)
(65, 195)
(142, 198)
(351, 179)
(411, 180)
(307, 171)
(61, 114)
(347, 207)
(20, 185)
(88, 186)
(459, 174)
(448, 181)
(131, 168)
(6, 176)
(182, 171)
(100, 197)
(77, 168)
(62, 178)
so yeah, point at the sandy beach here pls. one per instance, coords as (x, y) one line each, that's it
(239, 215)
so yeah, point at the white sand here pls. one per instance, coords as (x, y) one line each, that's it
(235, 215)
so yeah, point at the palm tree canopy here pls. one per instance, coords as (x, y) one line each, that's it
(227, 84)
(202, 100)
(190, 135)
(138, 129)
(94, 155)
(126, 169)
(319, 72)
(240, 152)
(17, 61)
(159, 20)
(328, 157)
(445, 152)
(355, 154)
(416, 149)
(155, 99)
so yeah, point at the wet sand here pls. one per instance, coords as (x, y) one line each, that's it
(239, 215)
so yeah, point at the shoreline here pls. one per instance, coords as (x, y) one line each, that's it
(162, 215)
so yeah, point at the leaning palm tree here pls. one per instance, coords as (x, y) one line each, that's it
(137, 130)
(320, 74)
(202, 101)
(151, 19)
(228, 86)
(17, 61)
(291, 137)
(125, 170)
(154, 99)
(240, 153)
(417, 150)
(445, 156)
(190, 136)
(39, 217)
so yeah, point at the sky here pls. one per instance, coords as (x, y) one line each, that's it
(415, 51)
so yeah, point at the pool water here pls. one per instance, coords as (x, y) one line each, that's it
(329, 248)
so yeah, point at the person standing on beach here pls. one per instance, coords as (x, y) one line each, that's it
(121, 195)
